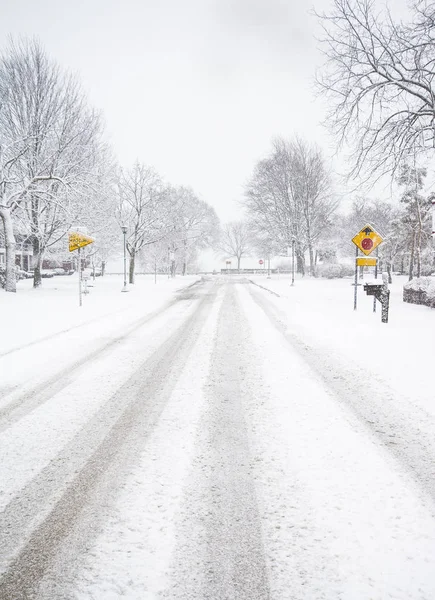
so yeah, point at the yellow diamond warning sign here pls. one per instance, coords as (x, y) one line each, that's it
(78, 240)
(367, 240)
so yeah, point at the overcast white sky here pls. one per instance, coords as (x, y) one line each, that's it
(196, 88)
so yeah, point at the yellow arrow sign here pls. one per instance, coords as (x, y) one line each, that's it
(78, 240)
(367, 240)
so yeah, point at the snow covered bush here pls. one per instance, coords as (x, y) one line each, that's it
(420, 291)
(2, 277)
(334, 270)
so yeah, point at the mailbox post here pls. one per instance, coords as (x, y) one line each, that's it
(381, 292)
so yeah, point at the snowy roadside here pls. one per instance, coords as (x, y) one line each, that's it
(399, 354)
(47, 335)
(52, 309)
(52, 432)
(340, 518)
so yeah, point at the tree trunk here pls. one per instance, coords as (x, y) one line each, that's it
(411, 259)
(184, 270)
(312, 264)
(6, 217)
(390, 279)
(300, 263)
(238, 264)
(131, 267)
(37, 262)
(173, 268)
(103, 268)
(418, 252)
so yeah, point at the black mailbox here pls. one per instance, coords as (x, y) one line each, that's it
(373, 289)
(381, 292)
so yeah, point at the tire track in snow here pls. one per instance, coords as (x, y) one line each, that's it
(400, 432)
(35, 524)
(30, 400)
(220, 555)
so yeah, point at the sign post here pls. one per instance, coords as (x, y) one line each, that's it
(355, 294)
(365, 240)
(77, 241)
(376, 276)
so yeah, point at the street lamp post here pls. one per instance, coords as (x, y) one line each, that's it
(124, 231)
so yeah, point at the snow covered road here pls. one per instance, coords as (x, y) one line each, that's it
(204, 452)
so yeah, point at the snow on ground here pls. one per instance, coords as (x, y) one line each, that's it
(45, 330)
(145, 514)
(398, 353)
(71, 361)
(33, 314)
(340, 519)
(340, 417)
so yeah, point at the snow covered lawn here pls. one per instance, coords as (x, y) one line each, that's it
(54, 307)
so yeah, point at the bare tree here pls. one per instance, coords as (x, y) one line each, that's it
(50, 141)
(313, 195)
(235, 240)
(378, 81)
(415, 221)
(271, 200)
(197, 226)
(289, 198)
(145, 207)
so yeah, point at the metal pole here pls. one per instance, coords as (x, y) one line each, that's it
(376, 276)
(80, 278)
(125, 263)
(124, 289)
(293, 261)
(356, 281)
